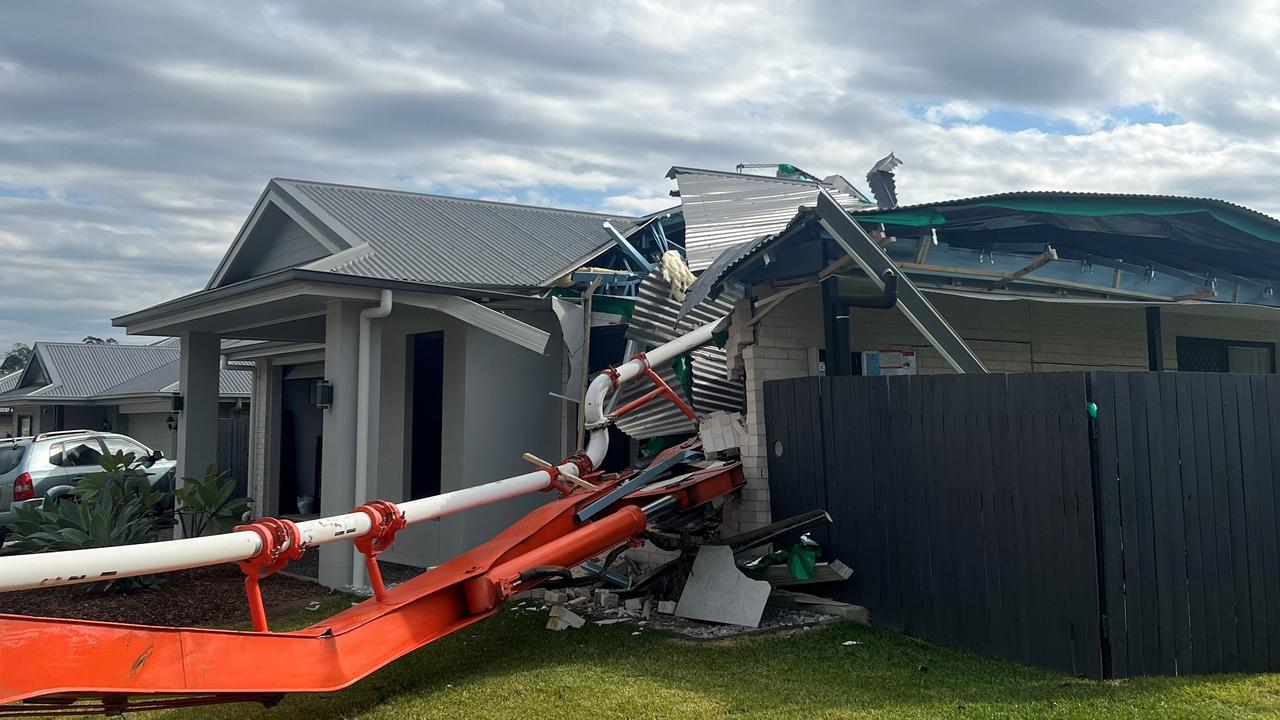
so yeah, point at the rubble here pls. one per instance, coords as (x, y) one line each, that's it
(562, 618)
(717, 591)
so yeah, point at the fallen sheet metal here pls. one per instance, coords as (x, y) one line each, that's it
(656, 320)
(724, 209)
(717, 591)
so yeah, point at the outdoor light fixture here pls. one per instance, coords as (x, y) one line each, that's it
(172, 422)
(322, 394)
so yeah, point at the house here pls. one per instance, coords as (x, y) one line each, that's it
(7, 382)
(1016, 282)
(402, 345)
(130, 389)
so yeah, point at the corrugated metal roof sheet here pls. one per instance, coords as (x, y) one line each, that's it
(453, 241)
(653, 322)
(10, 381)
(724, 209)
(1070, 194)
(84, 372)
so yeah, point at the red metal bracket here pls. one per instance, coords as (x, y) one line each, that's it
(387, 520)
(564, 487)
(661, 388)
(281, 544)
(612, 372)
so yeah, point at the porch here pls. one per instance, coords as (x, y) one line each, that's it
(369, 390)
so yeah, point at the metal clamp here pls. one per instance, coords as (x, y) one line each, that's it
(281, 544)
(387, 519)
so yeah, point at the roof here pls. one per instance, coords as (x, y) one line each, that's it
(79, 371)
(723, 209)
(10, 381)
(1181, 231)
(418, 237)
(1173, 241)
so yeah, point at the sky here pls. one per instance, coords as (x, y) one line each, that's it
(135, 136)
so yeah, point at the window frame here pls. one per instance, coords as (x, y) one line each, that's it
(1223, 344)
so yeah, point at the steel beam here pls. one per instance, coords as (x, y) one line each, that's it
(872, 259)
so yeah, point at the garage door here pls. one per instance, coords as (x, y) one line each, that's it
(152, 430)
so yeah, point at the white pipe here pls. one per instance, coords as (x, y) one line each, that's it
(24, 572)
(364, 401)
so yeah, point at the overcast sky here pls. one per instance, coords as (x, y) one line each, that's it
(135, 136)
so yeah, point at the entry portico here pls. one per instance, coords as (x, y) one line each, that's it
(378, 372)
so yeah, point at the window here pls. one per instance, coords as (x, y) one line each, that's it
(126, 446)
(24, 426)
(1237, 356)
(82, 453)
(10, 456)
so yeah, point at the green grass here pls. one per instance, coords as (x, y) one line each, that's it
(509, 667)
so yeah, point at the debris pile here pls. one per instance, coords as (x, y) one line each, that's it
(713, 587)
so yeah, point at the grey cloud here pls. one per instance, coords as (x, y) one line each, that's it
(170, 117)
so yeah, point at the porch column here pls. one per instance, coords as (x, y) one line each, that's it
(337, 476)
(198, 421)
(1155, 341)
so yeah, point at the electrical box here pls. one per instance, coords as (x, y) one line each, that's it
(889, 362)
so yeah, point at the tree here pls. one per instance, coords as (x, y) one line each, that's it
(16, 359)
(94, 340)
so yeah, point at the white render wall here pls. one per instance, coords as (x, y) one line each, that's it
(1009, 336)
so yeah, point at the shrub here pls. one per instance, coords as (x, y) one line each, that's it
(119, 506)
(205, 506)
(115, 507)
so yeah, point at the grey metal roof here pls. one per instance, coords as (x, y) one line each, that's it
(724, 209)
(10, 381)
(453, 241)
(653, 322)
(79, 371)
(83, 370)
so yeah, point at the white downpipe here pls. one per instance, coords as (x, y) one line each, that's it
(23, 572)
(364, 403)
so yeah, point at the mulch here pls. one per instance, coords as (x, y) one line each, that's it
(204, 597)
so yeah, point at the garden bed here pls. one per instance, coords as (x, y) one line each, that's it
(205, 597)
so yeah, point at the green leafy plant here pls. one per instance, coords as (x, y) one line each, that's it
(205, 505)
(115, 507)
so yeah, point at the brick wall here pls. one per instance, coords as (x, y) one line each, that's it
(783, 346)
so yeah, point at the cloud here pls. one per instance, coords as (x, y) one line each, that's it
(134, 138)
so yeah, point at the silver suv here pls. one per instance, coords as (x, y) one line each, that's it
(47, 466)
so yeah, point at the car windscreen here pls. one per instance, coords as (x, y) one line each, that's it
(10, 456)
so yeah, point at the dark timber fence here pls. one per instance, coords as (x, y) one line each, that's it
(991, 512)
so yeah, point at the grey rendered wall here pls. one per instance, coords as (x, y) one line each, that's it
(496, 407)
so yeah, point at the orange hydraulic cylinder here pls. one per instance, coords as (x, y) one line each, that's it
(488, 590)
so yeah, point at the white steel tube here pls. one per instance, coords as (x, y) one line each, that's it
(24, 572)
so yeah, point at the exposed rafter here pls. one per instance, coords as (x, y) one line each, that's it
(1040, 261)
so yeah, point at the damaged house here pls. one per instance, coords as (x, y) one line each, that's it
(1042, 421)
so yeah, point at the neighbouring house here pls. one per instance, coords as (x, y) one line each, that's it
(1029, 281)
(7, 382)
(129, 389)
(403, 345)
(1096, 493)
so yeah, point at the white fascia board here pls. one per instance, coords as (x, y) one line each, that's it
(481, 317)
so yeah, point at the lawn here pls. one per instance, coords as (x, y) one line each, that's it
(509, 667)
